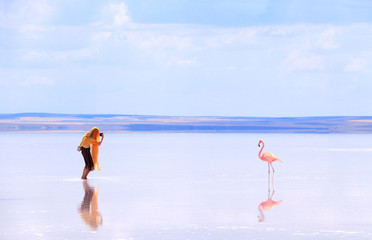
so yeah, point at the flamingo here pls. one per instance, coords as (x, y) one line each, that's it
(269, 203)
(267, 157)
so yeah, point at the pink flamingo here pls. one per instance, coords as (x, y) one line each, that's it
(269, 203)
(267, 157)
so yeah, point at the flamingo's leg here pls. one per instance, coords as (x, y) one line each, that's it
(272, 180)
(268, 181)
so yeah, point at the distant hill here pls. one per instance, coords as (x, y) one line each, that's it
(53, 122)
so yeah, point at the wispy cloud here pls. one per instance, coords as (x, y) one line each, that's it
(159, 40)
(356, 64)
(303, 60)
(326, 39)
(181, 62)
(21, 12)
(101, 36)
(80, 54)
(38, 80)
(116, 15)
(35, 55)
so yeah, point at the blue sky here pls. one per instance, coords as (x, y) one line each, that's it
(203, 58)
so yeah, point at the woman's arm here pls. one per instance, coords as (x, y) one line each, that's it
(102, 136)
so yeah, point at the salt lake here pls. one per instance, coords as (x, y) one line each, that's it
(186, 186)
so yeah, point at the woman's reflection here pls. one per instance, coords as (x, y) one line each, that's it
(269, 203)
(89, 207)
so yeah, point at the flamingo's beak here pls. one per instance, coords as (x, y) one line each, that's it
(259, 145)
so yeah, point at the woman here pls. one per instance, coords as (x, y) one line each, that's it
(89, 149)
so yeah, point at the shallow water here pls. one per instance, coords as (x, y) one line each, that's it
(186, 186)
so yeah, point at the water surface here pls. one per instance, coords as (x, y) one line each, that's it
(186, 186)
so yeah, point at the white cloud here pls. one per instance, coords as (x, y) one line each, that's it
(326, 39)
(80, 54)
(101, 36)
(35, 55)
(121, 17)
(181, 62)
(303, 60)
(2, 78)
(37, 80)
(221, 37)
(117, 15)
(356, 64)
(231, 68)
(284, 30)
(26, 28)
(24, 12)
(155, 40)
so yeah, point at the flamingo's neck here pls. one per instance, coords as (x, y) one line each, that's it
(261, 218)
(259, 154)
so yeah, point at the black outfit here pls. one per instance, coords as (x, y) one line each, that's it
(87, 158)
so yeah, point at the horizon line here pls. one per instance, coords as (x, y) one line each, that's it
(167, 115)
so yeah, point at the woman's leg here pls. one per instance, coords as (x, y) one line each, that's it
(88, 162)
(87, 171)
(85, 174)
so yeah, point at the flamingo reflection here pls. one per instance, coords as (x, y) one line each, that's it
(269, 203)
(89, 207)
